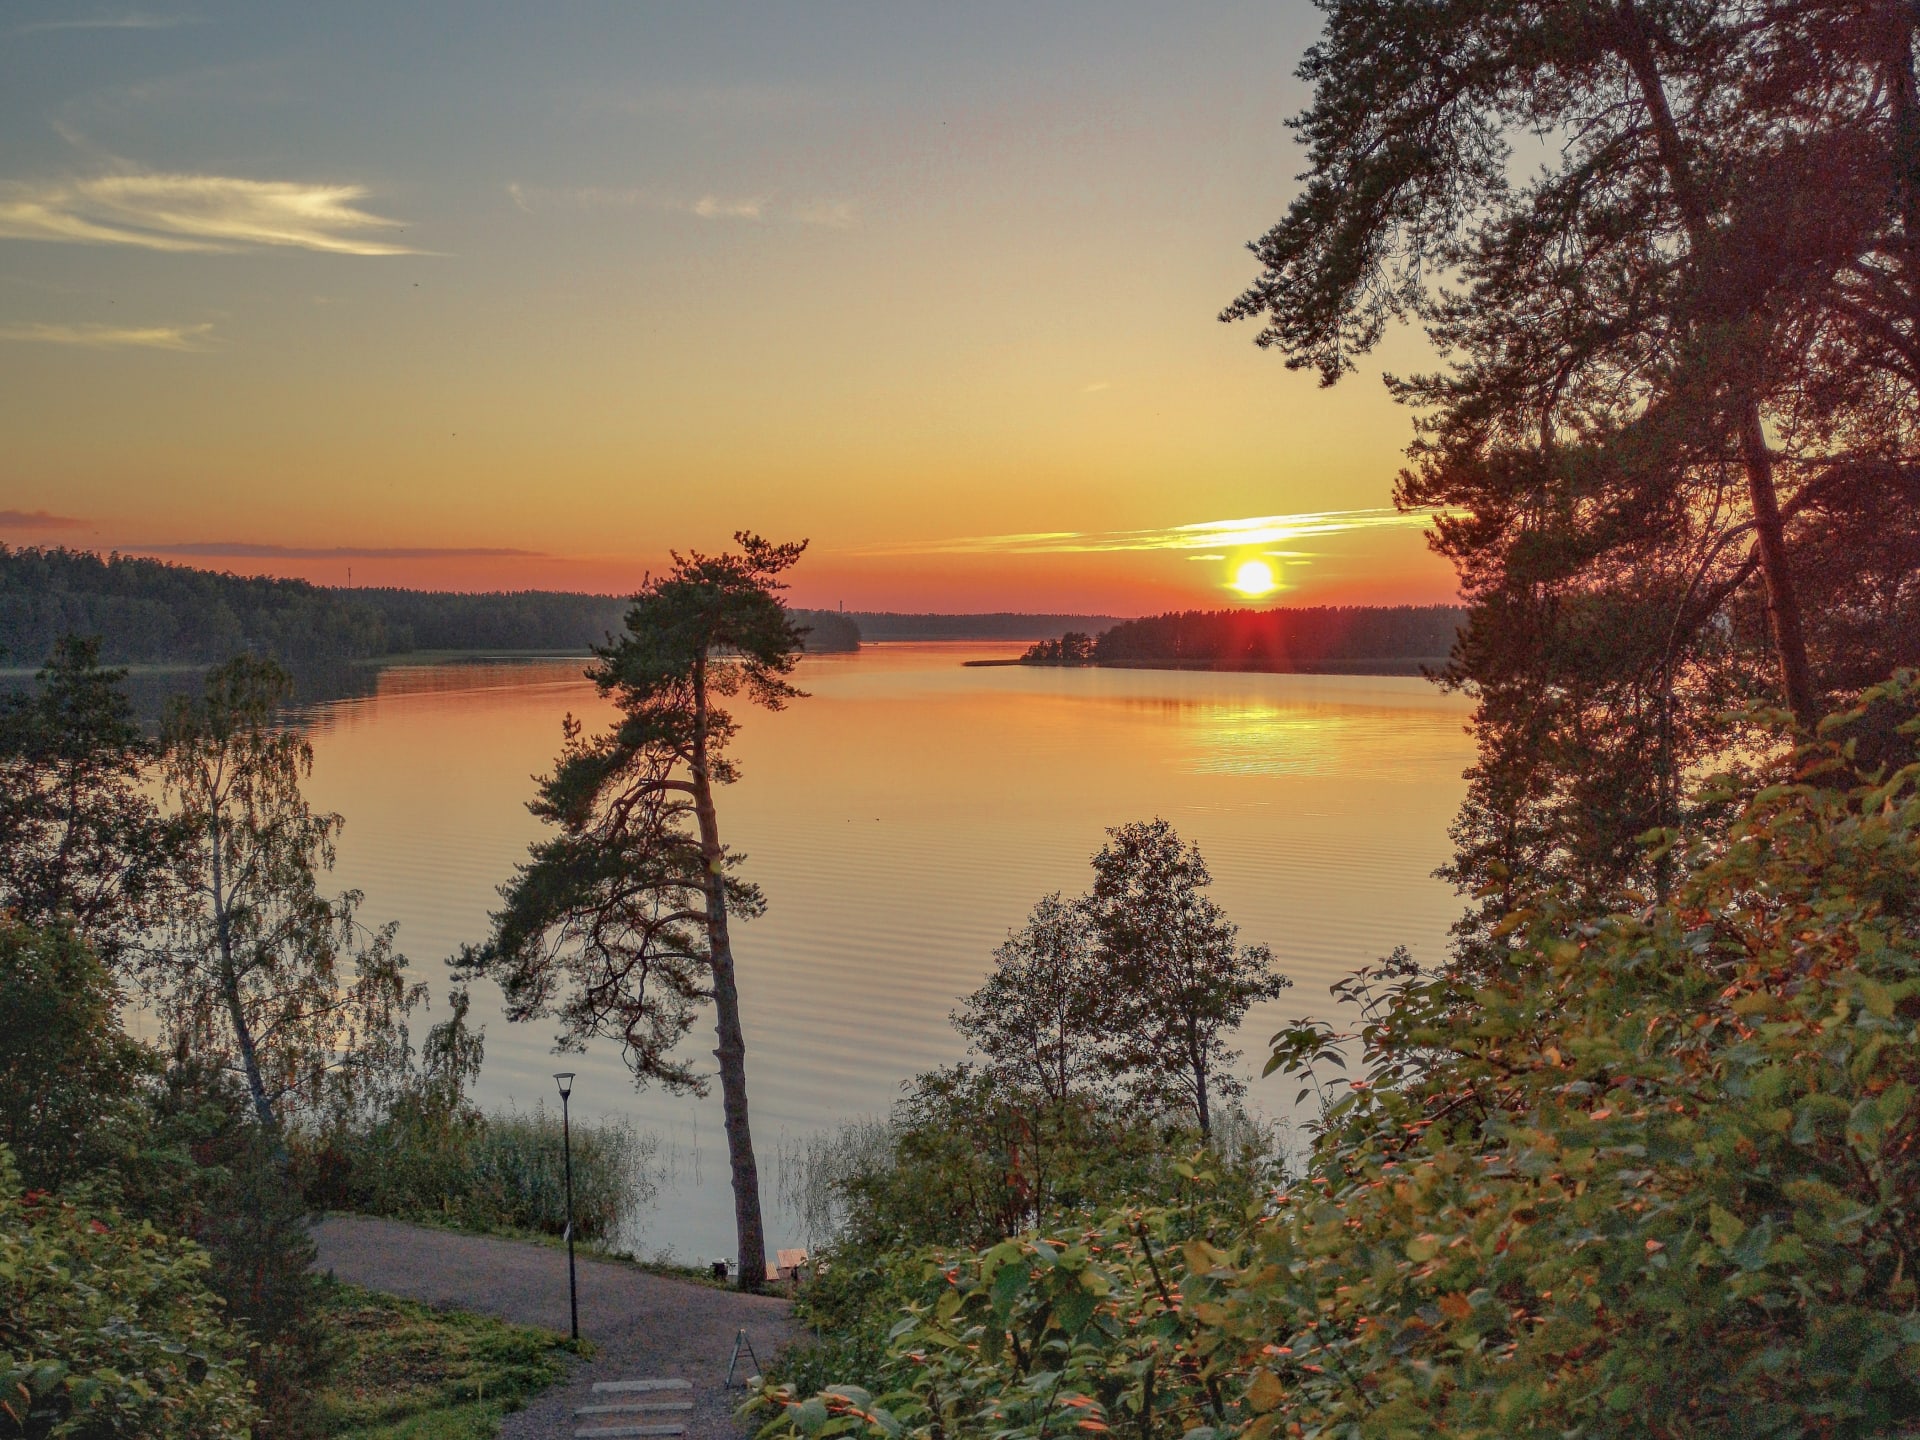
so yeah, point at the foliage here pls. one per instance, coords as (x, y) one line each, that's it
(620, 922)
(1181, 982)
(254, 967)
(1651, 1178)
(1041, 1019)
(1130, 990)
(615, 912)
(483, 1172)
(998, 625)
(107, 1328)
(408, 1370)
(1668, 252)
(70, 1077)
(80, 838)
(1659, 1184)
(1294, 638)
(1076, 647)
(1086, 1327)
(155, 612)
(973, 1160)
(536, 620)
(179, 1152)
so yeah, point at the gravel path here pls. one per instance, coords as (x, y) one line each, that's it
(646, 1327)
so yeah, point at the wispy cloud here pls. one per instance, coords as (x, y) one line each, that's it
(253, 550)
(112, 337)
(39, 520)
(754, 209)
(195, 213)
(1094, 387)
(833, 214)
(132, 21)
(1208, 535)
(715, 207)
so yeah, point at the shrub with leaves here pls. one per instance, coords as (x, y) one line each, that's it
(1090, 1328)
(1652, 1175)
(108, 1329)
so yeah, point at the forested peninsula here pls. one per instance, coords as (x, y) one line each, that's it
(151, 612)
(1352, 639)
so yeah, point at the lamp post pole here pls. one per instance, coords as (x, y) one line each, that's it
(565, 1081)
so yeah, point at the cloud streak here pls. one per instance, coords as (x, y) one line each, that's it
(111, 22)
(1206, 535)
(188, 213)
(112, 337)
(254, 550)
(39, 520)
(753, 209)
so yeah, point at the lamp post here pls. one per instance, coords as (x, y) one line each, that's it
(564, 1079)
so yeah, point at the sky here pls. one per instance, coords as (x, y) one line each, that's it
(476, 297)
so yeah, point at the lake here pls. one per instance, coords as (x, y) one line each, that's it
(901, 820)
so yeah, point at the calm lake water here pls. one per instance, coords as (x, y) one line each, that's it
(901, 820)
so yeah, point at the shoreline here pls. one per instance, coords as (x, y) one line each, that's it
(1392, 665)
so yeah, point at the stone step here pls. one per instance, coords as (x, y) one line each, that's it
(638, 1387)
(629, 1407)
(624, 1432)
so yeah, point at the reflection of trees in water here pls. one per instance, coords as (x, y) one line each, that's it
(151, 688)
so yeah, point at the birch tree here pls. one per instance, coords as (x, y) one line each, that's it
(257, 965)
(1181, 982)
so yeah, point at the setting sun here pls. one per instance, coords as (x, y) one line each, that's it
(1254, 578)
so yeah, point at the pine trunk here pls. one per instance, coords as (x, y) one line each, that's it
(731, 1051)
(1635, 46)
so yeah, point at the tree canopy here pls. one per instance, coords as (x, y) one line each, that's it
(81, 840)
(1667, 252)
(618, 924)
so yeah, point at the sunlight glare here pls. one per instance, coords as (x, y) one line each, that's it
(1254, 578)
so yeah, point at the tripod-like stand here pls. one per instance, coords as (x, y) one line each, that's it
(740, 1342)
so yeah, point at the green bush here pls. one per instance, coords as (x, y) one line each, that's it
(968, 1158)
(1652, 1175)
(70, 1077)
(108, 1329)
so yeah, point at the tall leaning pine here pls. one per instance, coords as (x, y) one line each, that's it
(618, 924)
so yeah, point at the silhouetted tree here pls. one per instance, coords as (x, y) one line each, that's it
(80, 838)
(619, 924)
(1676, 440)
(1180, 980)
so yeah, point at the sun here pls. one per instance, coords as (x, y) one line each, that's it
(1254, 578)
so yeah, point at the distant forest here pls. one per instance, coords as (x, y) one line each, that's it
(999, 625)
(1348, 637)
(150, 612)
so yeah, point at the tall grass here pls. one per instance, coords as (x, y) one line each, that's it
(500, 1171)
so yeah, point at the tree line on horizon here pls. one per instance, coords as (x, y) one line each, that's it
(154, 612)
(1292, 638)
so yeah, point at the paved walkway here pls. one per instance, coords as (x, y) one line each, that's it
(663, 1344)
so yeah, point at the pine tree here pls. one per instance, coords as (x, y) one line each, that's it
(1669, 251)
(620, 923)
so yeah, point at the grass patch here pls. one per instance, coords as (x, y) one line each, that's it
(406, 1371)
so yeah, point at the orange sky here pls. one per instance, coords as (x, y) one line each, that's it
(456, 300)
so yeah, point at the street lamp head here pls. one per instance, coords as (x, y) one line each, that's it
(564, 1079)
